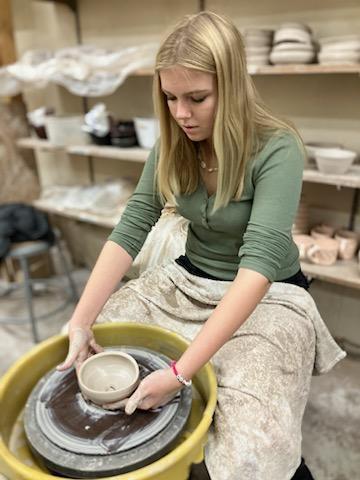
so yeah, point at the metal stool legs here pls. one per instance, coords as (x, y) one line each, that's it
(22, 253)
(29, 297)
(73, 290)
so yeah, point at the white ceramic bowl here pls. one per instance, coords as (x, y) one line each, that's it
(312, 147)
(108, 377)
(336, 161)
(293, 47)
(349, 56)
(285, 57)
(338, 39)
(292, 34)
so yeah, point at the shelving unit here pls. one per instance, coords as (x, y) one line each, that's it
(288, 86)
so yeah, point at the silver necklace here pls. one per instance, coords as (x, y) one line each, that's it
(205, 167)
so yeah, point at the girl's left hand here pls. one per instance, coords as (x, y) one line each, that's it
(155, 390)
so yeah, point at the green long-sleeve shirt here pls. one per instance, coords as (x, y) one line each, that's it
(253, 232)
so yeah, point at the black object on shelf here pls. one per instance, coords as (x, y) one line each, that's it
(123, 134)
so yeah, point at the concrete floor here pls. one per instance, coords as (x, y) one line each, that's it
(331, 427)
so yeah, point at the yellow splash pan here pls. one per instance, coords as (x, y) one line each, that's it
(17, 383)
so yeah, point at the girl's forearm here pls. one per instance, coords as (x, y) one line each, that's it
(236, 306)
(111, 266)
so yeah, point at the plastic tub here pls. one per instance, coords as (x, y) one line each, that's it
(336, 161)
(18, 382)
(66, 130)
(147, 131)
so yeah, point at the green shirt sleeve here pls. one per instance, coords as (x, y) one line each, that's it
(277, 179)
(141, 213)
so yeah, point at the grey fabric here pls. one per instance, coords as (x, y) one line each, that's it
(264, 371)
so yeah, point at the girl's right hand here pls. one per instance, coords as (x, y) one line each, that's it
(82, 345)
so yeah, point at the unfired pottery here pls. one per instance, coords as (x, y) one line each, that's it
(108, 377)
(323, 252)
(303, 242)
(322, 231)
(348, 242)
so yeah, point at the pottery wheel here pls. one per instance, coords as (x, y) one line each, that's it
(76, 438)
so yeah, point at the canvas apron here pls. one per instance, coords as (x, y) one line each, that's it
(264, 371)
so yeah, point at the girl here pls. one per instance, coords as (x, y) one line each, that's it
(234, 171)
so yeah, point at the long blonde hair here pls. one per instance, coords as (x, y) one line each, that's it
(211, 43)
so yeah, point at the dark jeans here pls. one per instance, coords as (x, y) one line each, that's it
(299, 279)
(302, 473)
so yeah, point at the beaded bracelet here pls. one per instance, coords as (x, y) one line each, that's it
(179, 377)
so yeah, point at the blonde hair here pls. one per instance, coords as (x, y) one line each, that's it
(211, 43)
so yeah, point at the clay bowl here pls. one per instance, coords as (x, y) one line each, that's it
(323, 252)
(108, 377)
(322, 231)
(336, 161)
(348, 242)
(313, 147)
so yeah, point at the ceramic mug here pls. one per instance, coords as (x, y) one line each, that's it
(348, 242)
(303, 242)
(322, 231)
(323, 252)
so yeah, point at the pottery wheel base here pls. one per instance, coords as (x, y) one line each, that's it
(76, 438)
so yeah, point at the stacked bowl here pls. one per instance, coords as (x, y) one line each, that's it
(340, 50)
(293, 44)
(258, 43)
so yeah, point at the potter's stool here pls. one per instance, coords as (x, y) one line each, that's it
(23, 253)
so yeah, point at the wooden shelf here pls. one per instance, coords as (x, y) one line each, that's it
(36, 143)
(92, 218)
(350, 179)
(343, 272)
(298, 69)
(132, 154)
(314, 69)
